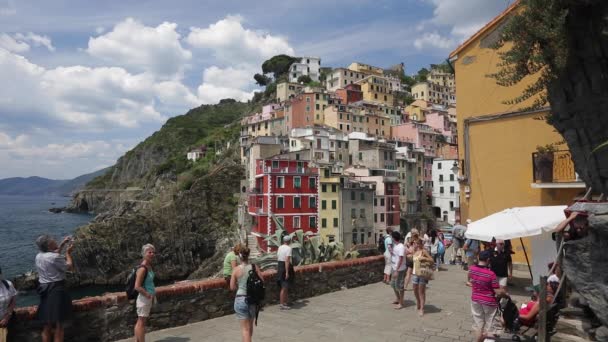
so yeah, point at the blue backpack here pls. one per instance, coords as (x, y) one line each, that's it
(441, 248)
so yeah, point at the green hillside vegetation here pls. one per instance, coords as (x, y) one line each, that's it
(205, 125)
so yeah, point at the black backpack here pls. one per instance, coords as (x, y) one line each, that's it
(5, 282)
(381, 245)
(130, 288)
(256, 291)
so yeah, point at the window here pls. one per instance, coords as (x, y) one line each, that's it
(297, 182)
(297, 202)
(280, 203)
(362, 196)
(352, 195)
(375, 217)
(451, 177)
(451, 189)
(323, 204)
(324, 188)
(353, 213)
(281, 182)
(312, 202)
(440, 177)
(323, 223)
(296, 221)
(335, 222)
(362, 213)
(317, 97)
(360, 155)
(439, 166)
(382, 202)
(281, 220)
(334, 204)
(334, 188)
(385, 155)
(382, 217)
(451, 205)
(441, 190)
(317, 107)
(275, 164)
(312, 182)
(375, 202)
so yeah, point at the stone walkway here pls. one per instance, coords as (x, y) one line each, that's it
(360, 314)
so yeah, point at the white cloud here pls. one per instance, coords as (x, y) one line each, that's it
(11, 44)
(31, 157)
(233, 44)
(36, 40)
(100, 29)
(433, 40)
(221, 83)
(85, 97)
(462, 18)
(143, 48)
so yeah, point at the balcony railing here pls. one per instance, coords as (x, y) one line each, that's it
(553, 167)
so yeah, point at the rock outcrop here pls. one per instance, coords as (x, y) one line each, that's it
(185, 230)
(586, 265)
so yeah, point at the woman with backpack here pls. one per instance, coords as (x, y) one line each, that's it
(244, 311)
(144, 284)
(436, 244)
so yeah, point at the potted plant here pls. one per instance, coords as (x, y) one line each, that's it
(543, 163)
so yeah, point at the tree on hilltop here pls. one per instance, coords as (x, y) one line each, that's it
(305, 79)
(261, 80)
(278, 65)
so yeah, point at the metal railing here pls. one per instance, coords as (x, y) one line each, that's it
(553, 167)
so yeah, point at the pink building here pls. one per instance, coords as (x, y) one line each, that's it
(442, 123)
(421, 135)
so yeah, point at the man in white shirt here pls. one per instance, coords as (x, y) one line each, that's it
(388, 252)
(398, 268)
(285, 271)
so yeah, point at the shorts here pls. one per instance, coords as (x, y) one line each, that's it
(242, 310)
(144, 305)
(387, 264)
(398, 283)
(502, 281)
(416, 280)
(483, 316)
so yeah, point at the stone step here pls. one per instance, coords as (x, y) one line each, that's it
(252, 244)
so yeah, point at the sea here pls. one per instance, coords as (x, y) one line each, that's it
(22, 220)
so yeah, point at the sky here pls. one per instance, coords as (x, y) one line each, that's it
(82, 82)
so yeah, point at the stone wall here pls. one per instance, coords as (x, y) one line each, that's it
(111, 317)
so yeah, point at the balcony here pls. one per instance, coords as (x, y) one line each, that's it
(554, 170)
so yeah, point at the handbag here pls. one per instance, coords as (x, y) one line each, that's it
(426, 271)
(3, 334)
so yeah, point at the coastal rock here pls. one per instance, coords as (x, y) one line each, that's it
(586, 266)
(185, 229)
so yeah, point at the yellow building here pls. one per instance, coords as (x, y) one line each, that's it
(329, 210)
(286, 90)
(366, 69)
(416, 110)
(377, 89)
(497, 141)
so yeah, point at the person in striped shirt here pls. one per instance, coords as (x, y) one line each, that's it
(485, 290)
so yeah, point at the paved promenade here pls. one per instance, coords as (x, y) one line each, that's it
(360, 314)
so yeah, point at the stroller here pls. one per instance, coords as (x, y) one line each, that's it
(510, 316)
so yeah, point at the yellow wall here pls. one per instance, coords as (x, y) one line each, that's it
(329, 214)
(501, 150)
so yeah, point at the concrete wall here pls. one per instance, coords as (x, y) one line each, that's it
(111, 317)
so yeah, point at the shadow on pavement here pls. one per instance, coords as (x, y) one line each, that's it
(299, 304)
(431, 309)
(174, 339)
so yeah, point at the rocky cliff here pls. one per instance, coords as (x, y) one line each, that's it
(154, 195)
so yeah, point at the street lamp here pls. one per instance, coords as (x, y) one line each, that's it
(455, 168)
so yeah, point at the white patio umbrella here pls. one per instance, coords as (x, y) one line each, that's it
(515, 223)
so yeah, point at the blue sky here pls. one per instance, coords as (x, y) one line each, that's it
(85, 81)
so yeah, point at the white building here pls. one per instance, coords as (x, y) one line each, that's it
(309, 66)
(197, 153)
(446, 190)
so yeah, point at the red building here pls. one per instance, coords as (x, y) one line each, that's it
(350, 93)
(286, 189)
